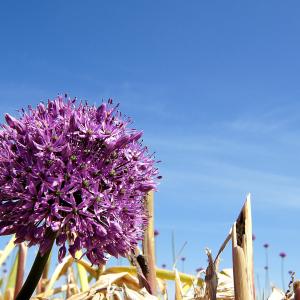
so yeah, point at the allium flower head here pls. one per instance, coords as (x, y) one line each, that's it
(282, 254)
(156, 232)
(266, 245)
(77, 172)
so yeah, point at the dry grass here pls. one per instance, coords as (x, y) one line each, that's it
(142, 280)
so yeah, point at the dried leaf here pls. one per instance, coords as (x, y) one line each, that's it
(178, 288)
(7, 250)
(60, 270)
(130, 294)
(82, 273)
(92, 271)
(45, 295)
(9, 294)
(276, 294)
(160, 273)
(13, 274)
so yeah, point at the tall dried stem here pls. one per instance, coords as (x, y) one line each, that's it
(242, 253)
(20, 268)
(149, 243)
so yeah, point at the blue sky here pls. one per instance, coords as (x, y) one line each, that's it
(213, 84)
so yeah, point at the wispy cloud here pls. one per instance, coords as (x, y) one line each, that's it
(259, 160)
(267, 188)
(278, 119)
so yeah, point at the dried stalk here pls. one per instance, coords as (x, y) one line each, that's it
(241, 288)
(149, 243)
(248, 245)
(139, 261)
(20, 269)
(178, 288)
(211, 277)
(242, 253)
(297, 290)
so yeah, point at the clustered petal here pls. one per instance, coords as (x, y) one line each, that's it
(78, 172)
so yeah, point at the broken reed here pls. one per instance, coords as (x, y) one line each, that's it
(242, 254)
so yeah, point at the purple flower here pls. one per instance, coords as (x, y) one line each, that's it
(156, 232)
(266, 267)
(78, 172)
(183, 258)
(266, 245)
(253, 237)
(282, 254)
(163, 266)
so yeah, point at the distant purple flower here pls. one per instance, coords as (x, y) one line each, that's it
(253, 237)
(76, 171)
(183, 258)
(282, 254)
(156, 232)
(266, 245)
(266, 268)
(163, 266)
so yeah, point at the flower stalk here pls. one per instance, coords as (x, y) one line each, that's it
(267, 280)
(34, 274)
(282, 255)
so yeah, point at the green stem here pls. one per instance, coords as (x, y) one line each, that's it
(34, 275)
(282, 274)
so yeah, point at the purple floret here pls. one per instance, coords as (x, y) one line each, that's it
(77, 171)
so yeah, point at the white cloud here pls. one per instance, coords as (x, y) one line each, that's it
(223, 179)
